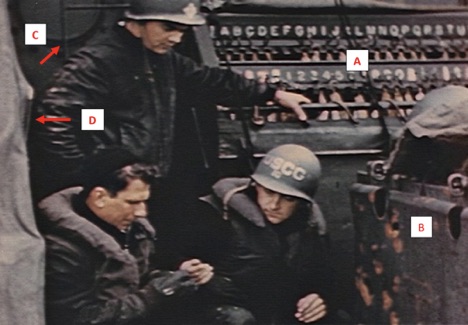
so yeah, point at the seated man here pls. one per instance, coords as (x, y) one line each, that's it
(267, 235)
(100, 250)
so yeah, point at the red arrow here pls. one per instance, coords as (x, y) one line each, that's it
(44, 119)
(54, 50)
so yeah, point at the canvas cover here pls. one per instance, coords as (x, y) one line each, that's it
(434, 143)
(21, 247)
(442, 114)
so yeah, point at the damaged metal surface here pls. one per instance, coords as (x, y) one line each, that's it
(404, 280)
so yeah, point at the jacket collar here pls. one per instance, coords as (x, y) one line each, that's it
(230, 194)
(57, 211)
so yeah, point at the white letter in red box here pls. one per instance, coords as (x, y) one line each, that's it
(92, 119)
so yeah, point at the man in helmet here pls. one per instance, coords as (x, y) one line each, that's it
(145, 89)
(267, 235)
(140, 82)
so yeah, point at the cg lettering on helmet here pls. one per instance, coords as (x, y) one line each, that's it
(282, 167)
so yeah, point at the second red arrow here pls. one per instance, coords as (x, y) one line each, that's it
(42, 119)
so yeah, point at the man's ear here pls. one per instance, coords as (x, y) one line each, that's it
(134, 28)
(98, 196)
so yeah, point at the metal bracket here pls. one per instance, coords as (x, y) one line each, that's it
(458, 184)
(377, 169)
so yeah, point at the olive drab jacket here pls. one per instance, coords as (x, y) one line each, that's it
(139, 91)
(274, 265)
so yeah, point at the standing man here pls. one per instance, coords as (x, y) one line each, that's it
(142, 84)
(268, 236)
(135, 76)
(101, 256)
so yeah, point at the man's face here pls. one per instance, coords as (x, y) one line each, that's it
(127, 205)
(276, 207)
(159, 36)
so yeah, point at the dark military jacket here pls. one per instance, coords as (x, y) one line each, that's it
(138, 90)
(93, 277)
(274, 265)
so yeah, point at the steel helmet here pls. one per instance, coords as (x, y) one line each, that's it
(185, 12)
(289, 169)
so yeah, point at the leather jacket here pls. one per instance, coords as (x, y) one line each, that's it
(96, 274)
(140, 93)
(90, 278)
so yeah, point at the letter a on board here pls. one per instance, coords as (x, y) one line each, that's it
(357, 60)
(92, 119)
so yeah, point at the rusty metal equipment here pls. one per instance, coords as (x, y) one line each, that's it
(404, 280)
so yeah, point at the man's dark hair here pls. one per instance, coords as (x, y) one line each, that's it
(113, 169)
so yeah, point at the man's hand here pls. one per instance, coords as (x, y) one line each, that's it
(310, 308)
(200, 272)
(292, 101)
(167, 283)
